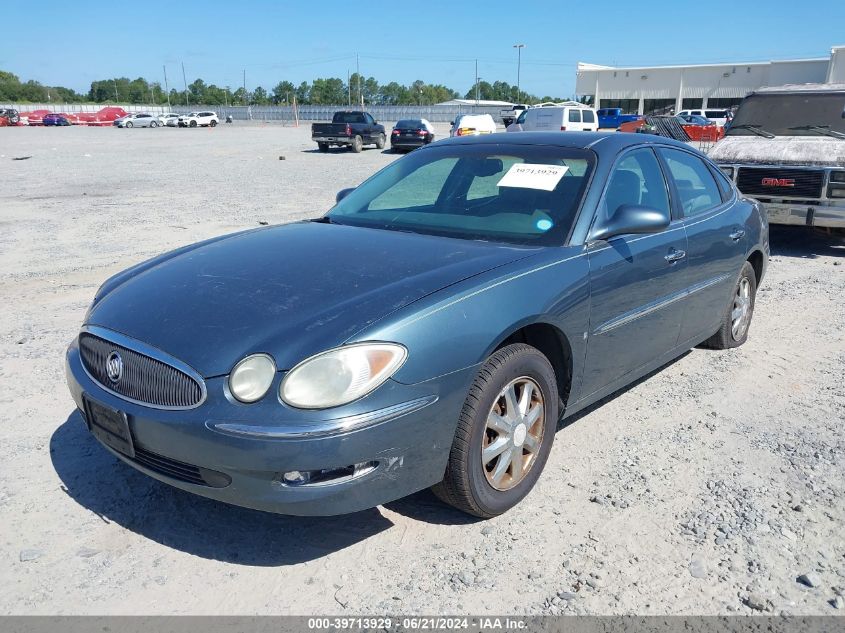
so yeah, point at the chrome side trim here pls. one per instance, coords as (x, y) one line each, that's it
(323, 428)
(146, 350)
(642, 311)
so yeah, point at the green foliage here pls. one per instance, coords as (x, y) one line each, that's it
(321, 91)
(12, 89)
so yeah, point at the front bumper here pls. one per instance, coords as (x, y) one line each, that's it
(404, 432)
(822, 214)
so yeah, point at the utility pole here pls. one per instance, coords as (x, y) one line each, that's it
(166, 87)
(348, 89)
(476, 83)
(358, 72)
(116, 98)
(518, 48)
(244, 86)
(185, 80)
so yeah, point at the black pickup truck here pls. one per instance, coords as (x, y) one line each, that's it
(350, 128)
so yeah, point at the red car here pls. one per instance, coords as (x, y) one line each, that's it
(697, 127)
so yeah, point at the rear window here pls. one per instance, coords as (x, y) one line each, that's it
(588, 116)
(349, 117)
(411, 123)
(716, 114)
(574, 116)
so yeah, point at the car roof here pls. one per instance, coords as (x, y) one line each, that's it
(611, 142)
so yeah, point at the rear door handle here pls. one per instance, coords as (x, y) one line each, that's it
(737, 235)
(675, 256)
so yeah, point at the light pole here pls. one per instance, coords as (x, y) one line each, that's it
(518, 48)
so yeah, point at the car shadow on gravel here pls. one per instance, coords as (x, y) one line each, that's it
(804, 242)
(117, 493)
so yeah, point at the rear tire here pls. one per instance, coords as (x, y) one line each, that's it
(380, 140)
(357, 144)
(213, 123)
(323, 147)
(737, 318)
(481, 478)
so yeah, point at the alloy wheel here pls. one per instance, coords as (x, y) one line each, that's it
(741, 313)
(513, 433)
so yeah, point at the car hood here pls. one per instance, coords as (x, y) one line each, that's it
(290, 291)
(781, 150)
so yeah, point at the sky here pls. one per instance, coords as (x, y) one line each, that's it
(73, 42)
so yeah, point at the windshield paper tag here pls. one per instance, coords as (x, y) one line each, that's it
(527, 176)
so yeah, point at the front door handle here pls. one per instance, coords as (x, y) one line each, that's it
(737, 235)
(675, 256)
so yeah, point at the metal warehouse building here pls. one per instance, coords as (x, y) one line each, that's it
(659, 89)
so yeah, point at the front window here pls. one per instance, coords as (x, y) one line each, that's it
(516, 194)
(795, 114)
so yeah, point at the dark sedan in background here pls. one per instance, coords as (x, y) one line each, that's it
(56, 120)
(410, 134)
(430, 330)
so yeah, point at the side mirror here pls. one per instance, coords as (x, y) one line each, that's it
(632, 218)
(451, 123)
(343, 193)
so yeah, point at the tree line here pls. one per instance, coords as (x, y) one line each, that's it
(322, 91)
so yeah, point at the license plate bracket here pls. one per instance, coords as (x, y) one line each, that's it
(110, 426)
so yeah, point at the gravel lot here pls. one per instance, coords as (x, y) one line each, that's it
(709, 488)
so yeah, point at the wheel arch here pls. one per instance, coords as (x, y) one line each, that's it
(756, 261)
(552, 343)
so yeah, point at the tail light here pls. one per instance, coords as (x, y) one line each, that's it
(421, 132)
(563, 128)
(348, 130)
(396, 132)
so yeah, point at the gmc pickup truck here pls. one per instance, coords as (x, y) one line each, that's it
(786, 148)
(349, 128)
(612, 118)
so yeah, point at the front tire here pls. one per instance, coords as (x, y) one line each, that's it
(193, 124)
(153, 124)
(129, 124)
(737, 319)
(504, 435)
(380, 140)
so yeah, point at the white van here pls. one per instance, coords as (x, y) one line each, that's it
(569, 117)
(719, 117)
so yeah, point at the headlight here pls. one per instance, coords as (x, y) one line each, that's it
(341, 375)
(728, 171)
(252, 377)
(837, 176)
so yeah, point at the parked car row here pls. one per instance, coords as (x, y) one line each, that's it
(171, 119)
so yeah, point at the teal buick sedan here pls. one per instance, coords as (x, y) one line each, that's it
(431, 330)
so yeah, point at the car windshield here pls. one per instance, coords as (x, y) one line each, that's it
(795, 114)
(508, 193)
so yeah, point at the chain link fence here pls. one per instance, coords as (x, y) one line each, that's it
(283, 114)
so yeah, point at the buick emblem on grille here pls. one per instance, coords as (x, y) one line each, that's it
(778, 182)
(114, 367)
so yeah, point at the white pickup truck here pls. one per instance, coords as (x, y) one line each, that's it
(786, 148)
(511, 114)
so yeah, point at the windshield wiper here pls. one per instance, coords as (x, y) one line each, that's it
(821, 129)
(752, 127)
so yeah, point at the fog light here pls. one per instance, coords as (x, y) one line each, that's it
(836, 191)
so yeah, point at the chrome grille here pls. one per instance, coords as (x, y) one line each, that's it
(143, 379)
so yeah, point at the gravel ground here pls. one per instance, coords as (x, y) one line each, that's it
(715, 486)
